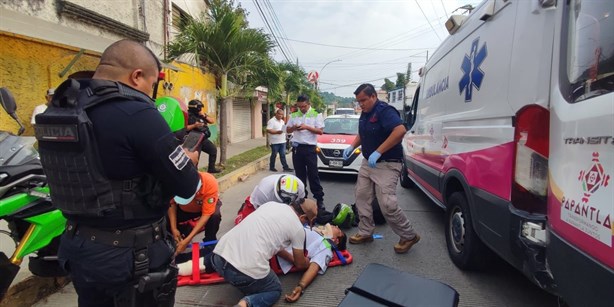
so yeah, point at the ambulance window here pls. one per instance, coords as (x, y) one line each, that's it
(589, 54)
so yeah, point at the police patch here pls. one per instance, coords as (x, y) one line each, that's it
(179, 158)
(210, 200)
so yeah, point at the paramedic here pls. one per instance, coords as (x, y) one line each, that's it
(380, 131)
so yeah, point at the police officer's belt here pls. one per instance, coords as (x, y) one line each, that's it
(134, 237)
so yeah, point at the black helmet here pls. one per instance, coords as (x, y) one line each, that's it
(195, 104)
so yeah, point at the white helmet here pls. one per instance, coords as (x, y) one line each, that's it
(289, 188)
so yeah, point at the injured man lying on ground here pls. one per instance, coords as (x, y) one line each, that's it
(321, 243)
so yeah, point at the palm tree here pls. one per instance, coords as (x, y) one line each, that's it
(221, 42)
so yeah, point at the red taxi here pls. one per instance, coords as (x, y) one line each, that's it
(339, 133)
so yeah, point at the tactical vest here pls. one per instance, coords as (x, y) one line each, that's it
(70, 156)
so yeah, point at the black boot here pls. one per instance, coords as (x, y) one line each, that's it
(324, 216)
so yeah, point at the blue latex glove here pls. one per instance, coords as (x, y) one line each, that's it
(373, 158)
(347, 152)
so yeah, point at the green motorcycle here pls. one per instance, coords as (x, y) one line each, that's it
(34, 224)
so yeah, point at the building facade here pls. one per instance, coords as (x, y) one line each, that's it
(42, 43)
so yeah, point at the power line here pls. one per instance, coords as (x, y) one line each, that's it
(270, 29)
(280, 29)
(351, 47)
(444, 9)
(427, 19)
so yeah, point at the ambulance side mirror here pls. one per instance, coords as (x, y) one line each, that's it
(454, 23)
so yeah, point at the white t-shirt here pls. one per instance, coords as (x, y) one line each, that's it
(251, 244)
(316, 251)
(37, 110)
(264, 192)
(276, 125)
(304, 136)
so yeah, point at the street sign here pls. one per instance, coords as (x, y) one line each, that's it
(313, 76)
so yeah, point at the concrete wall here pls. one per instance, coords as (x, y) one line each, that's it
(40, 19)
(28, 67)
(37, 43)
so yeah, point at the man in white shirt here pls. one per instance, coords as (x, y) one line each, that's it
(242, 255)
(276, 128)
(305, 125)
(42, 107)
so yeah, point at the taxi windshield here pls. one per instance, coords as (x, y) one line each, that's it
(341, 126)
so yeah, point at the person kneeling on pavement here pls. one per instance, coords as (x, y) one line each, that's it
(204, 209)
(278, 188)
(321, 243)
(242, 255)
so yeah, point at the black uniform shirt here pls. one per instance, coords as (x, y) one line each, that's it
(133, 139)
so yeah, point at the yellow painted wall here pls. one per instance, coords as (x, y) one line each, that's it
(28, 67)
(192, 83)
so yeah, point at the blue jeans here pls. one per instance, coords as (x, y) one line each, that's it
(281, 149)
(258, 292)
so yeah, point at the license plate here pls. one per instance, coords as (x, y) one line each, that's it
(335, 163)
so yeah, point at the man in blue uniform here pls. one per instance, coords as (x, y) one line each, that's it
(380, 131)
(112, 173)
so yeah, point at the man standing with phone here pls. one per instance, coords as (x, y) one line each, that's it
(305, 125)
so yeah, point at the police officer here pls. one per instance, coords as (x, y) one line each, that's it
(112, 174)
(199, 121)
(380, 131)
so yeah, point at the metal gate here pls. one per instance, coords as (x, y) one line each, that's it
(242, 120)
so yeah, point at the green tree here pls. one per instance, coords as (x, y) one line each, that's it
(388, 85)
(221, 42)
(401, 80)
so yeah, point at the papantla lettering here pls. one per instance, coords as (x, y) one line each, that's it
(589, 212)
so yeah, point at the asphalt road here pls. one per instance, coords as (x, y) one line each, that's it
(501, 285)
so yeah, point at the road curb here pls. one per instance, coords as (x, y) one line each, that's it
(230, 179)
(32, 289)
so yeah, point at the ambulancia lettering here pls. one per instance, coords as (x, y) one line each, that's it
(57, 133)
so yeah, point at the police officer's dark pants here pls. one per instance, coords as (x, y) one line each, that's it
(211, 228)
(103, 274)
(208, 147)
(305, 160)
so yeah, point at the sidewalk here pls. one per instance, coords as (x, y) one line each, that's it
(233, 150)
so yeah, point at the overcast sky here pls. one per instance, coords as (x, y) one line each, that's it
(344, 36)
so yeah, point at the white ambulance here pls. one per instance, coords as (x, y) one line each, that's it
(511, 131)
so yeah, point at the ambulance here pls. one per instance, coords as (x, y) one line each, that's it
(511, 131)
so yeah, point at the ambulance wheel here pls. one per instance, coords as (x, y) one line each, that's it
(465, 248)
(404, 179)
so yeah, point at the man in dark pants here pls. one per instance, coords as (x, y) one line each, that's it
(199, 121)
(305, 125)
(380, 131)
(116, 246)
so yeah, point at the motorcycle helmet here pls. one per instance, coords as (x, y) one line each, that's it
(343, 216)
(195, 105)
(172, 112)
(288, 188)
